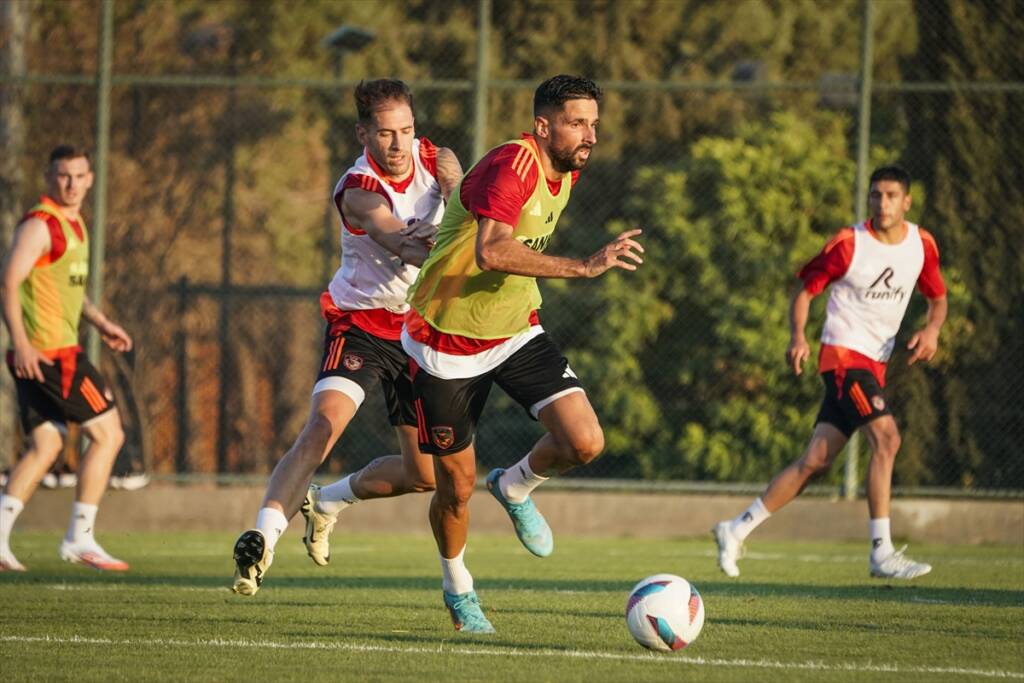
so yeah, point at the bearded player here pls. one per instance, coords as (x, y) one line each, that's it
(473, 323)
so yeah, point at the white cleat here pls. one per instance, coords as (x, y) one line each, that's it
(252, 560)
(8, 562)
(730, 549)
(318, 527)
(897, 566)
(91, 555)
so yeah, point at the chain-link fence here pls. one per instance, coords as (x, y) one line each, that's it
(733, 133)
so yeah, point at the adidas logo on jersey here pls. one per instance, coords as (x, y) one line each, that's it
(551, 218)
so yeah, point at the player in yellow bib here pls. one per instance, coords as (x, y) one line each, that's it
(43, 298)
(473, 322)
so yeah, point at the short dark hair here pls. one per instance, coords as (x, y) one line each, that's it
(370, 95)
(895, 173)
(558, 90)
(62, 152)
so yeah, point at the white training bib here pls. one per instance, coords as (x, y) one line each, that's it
(866, 305)
(370, 276)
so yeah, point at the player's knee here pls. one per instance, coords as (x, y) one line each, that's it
(108, 433)
(585, 445)
(888, 444)
(814, 464)
(319, 430)
(456, 496)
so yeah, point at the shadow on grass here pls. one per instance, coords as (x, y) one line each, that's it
(919, 592)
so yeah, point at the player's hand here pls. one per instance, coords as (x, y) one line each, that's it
(423, 231)
(26, 363)
(924, 344)
(613, 253)
(796, 353)
(115, 337)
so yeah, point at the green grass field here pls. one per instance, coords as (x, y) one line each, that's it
(801, 611)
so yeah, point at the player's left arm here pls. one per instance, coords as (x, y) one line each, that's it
(449, 171)
(113, 335)
(925, 341)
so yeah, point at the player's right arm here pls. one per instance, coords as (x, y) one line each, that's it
(369, 211)
(497, 249)
(31, 242)
(829, 265)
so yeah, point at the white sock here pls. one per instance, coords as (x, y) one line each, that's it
(10, 508)
(337, 496)
(519, 480)
(457, 579)
(749, 520)
(83, 518)
(881, 540)
(272, 523)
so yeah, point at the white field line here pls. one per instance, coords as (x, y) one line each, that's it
(815, 558)
(444, 648)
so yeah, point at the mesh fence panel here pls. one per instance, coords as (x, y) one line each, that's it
(728, 133)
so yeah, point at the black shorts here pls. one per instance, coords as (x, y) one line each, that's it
(367, 360)
(73, 391)
(852, 399)
(449, 408)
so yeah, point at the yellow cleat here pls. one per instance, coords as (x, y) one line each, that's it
(318, 528)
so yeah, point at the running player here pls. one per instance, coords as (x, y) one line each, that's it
(474, 322)
(872, 268)
(43, 297)
(389, 203)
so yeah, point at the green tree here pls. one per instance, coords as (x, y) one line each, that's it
(967, 146)
(687, 361)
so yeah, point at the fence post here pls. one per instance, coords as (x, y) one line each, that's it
(181, 350)
(850, 475)
(483, 69)
(98, 238)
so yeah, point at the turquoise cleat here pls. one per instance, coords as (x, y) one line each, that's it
(532, 530)
(466, 613)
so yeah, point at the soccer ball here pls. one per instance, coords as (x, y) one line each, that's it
(664, 612)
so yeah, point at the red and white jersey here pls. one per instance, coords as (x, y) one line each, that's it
(871, 287)
(370, 276)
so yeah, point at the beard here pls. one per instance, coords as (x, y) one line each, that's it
(566, 161)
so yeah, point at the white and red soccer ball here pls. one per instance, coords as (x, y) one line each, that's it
(664, 612)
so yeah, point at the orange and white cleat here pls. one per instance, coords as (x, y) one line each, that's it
(91, 555)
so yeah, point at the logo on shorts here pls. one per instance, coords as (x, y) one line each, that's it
(878, 402)
(444, 437)
(351, 362)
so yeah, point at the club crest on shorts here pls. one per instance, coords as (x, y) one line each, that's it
(878, 402)
(351, 362)
(444, 437)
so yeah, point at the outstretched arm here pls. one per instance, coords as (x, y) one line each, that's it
(31, 242)
(798, 350)
(925, 341)
(497, 249)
